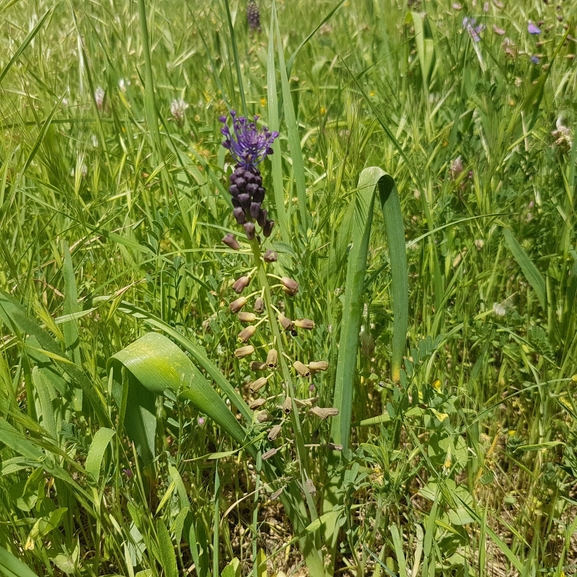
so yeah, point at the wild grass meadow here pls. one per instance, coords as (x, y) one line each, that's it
(344, 343)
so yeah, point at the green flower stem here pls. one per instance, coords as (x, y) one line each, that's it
(295, 421)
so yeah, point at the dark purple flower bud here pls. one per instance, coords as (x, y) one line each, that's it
(249, 229)
(244, 200)
(267, 228)
(261, 218)
(258, 196)
(255, 209)
(238, 213)
(231, 241)
(233, 189)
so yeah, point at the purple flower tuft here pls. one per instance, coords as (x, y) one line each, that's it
(474, 31)
(248, 145)
(535, 59)
(533, 29)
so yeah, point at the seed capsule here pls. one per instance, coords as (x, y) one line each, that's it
(256, 404)
(318, 365)
(270, 256)
(324, 413)
(301, 369)
(305, 324)
(236, 305)
(246, 333)
(290, 286)
(271, 359)
(230, 240)
(262, 417)
(274, 432)
(287, 406)
(258, 384)
(270, 453)
(245, 317)
(240, 284)
(258, 305)
(285, 322)
(257, 366)
(244, 352)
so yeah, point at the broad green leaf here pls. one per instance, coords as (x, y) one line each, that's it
(530, 271)
(167, 556)
(232, 569)
(11, 566)
(97, 449)
(157, 364)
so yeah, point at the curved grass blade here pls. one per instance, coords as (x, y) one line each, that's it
(530, 271)
(371, 181)
(11, 566)
(159, 365)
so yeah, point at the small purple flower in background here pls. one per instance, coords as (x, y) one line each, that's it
(200, 421)
(253, 16)
(127, 472)
(249, 146)
(474, 31)
(533, 28)
(535, 59)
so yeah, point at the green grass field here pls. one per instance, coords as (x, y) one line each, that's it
(423, 188)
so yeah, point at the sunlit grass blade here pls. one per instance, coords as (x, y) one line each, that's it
(159, 365)
(530, 271)
(11, 566)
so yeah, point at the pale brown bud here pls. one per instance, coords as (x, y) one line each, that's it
(270, 256)
(244, 352)
(262, 417)
(246, 333)
(318, 365)
(287, 406)
(323, 413)
(305, 324)
(236, 305)
(245, 317)
(258, 305)
(301, 369)
(274, 432)
(290, 286)
(240, 284)
(278, 492)
(257, 366)
(256, 404)
(230, 240)
(258, 384)
(285, 322)
(270, 453)
(271, 359)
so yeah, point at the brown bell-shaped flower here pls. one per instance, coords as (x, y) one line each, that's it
(244, 351)
(256, 404)
(246, 333)
(237, 304)
(268, 454)
(240, 284)
(305, 324)
(301, 369)
(270, 256)
(287, 406)
(230, 240)
(324, 413)
(245, 317)
(290, 286)
(274, 432)
(271, 358)
(285, 322)
(318, 365)
(257, 366)
(258, 384)
(258, 305)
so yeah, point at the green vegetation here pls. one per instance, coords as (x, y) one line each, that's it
(416, 149)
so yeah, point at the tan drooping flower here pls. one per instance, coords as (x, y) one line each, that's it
(318, 365)
(271, 358)
(301, 369)
(290, 286)
(246, 333)
(236, 305)
(240, 284)
(244, 351)
(305, 324)
(324, 413)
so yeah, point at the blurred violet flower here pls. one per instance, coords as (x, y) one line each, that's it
(127, 472)
(474, 31)
(535, 59)
(533, 29)
(201, 421)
